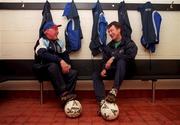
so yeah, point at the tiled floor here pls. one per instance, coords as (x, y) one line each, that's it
(133, 111)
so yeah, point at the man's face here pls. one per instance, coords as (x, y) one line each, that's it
(114, 32)
(52, 33)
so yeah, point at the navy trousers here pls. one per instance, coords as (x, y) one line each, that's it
(61, 82)
(117, 71)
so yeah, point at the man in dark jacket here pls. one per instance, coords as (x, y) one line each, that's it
(115, 58)
(55, 60)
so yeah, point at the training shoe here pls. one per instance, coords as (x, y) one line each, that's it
(111, 97)
(66, 96)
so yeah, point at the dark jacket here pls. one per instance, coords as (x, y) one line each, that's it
(151, 21)
(50, 51)
(47, 17)
(98, 36)
(127, 51)
(46, 14)
(73, 32)
(124, 20)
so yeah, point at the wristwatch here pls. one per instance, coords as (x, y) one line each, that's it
(112, 57)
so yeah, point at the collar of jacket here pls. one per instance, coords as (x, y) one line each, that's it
(49, 40)
(122, 43)
(97, 8)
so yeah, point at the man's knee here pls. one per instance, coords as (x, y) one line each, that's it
(121, 62)
(95, 75)
(73, 73)
(52, 67)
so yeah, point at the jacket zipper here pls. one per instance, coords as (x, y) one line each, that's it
(54, 47)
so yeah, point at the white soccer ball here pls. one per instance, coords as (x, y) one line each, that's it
(73, 108)
(109, 111)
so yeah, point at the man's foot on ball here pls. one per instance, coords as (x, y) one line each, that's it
(111, 97)
(66, 96)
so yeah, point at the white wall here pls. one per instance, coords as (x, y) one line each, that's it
(19, 32)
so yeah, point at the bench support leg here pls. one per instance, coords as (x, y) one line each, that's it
(41, 92)
(153, 91)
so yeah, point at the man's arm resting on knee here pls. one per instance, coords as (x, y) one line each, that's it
(129, 52)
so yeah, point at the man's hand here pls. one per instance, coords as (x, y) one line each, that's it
(65, 67)
(109, 62)
(103, 73)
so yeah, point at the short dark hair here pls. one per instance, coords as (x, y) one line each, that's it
(114, 23)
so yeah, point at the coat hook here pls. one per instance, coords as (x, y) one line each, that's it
(171, 6)
(22, 4)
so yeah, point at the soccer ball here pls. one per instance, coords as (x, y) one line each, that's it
(73, 108)
(109, 111)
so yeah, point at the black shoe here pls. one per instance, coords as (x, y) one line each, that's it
(111, 97)
(68, 97)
